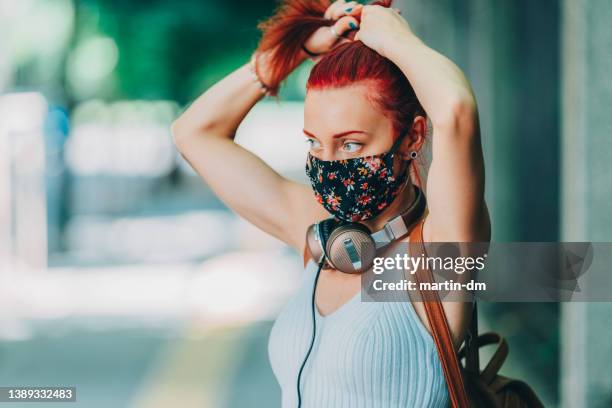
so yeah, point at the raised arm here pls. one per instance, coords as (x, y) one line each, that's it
(204, 133)
(455, 185)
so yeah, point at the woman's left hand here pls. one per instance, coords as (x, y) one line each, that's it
(381, 28)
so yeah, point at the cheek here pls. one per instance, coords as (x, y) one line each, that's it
(381, 141)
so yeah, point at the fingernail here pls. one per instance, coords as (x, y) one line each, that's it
(352, 25)
(348, 10)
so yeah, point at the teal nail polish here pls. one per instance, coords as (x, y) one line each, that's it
(348, 10)
(352, 25)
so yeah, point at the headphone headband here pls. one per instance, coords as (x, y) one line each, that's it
(399, 225)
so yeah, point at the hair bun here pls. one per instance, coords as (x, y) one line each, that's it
(293, 22)
(284, 34)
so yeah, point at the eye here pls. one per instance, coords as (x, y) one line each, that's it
(312, 143)
(351, 147)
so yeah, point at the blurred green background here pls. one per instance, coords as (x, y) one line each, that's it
(117, 262)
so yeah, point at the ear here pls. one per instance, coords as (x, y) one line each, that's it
(415, 138)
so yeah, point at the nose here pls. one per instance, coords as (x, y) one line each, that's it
(325, 154)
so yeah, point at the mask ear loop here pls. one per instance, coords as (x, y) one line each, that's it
(397, 143)
(393, 150)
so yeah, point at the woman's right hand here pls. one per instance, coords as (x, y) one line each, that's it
(325, 38)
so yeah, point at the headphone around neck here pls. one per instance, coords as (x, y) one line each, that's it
(351, 247)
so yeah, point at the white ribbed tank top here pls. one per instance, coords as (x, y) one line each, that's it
(365, 354)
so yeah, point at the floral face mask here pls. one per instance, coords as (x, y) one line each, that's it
(356, 189)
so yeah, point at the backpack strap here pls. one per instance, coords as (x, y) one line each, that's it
(471, 346)
(497, 360)
(305, 255)
(440, 329)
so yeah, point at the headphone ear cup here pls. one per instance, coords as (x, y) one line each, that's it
(350, 248)
(313, 244)
(326, 227)
(317, 236)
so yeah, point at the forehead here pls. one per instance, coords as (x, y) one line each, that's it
(326, 110)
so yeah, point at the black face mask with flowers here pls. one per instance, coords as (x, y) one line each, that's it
(356, 189)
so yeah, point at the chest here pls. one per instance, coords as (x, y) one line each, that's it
(376, 343)
(334, 290)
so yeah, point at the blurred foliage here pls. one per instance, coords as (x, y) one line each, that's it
(161, 49)
(172, 50)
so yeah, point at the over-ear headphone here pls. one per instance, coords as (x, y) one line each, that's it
(351, 247)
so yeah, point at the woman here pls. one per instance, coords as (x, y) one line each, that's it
(368, 98)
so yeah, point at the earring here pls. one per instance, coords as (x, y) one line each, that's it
(413, 154)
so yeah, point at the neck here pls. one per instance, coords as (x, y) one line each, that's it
(403, 200)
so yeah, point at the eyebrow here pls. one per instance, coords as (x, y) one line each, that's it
(337, 135)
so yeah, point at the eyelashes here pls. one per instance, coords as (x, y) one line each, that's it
(356, 146)
(311, 142)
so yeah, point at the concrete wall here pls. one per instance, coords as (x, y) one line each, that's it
(586, 192)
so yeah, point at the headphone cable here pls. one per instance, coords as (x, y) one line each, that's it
(314, 328)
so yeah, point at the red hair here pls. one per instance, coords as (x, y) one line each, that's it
(346, 64)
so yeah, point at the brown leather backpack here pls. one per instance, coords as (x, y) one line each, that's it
(468, 386)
